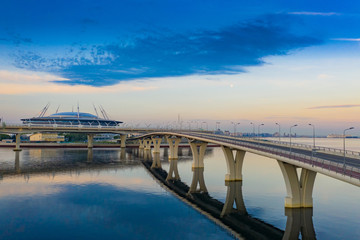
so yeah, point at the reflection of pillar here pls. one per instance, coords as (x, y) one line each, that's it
(90, 155)
(141, 153)
(299, 192)
(17, 162)
(180, 152)
(173, 146)
(234, 194)
(147, 154)
(17, 142)
(123, 140)
(234, 165)
(122, 154)
(299, 220)
(173, 170)
(90, 138)
(166, 152)
(156, 142)
(198, 152)
(198, 179)
(156, 161)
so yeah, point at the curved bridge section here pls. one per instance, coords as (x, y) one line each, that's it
(290, 158)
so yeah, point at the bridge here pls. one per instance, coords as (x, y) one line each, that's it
(334, 163)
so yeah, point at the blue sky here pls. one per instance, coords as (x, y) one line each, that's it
(231, 53)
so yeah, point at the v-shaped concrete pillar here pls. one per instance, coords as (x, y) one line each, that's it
(234, 194)
(156, 143)
(299, 191)
(234, 165)
(198, 152)
(173, 146)
(141, 144)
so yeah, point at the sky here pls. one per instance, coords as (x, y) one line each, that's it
(151, 61)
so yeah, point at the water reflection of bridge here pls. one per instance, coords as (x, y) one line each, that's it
(232, 215)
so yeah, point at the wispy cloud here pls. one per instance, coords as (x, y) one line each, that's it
(347, 39)
(336, 106)
(224, 51)
(315, 13)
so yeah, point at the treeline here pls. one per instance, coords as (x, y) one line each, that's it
(5, 136)
(75, 137)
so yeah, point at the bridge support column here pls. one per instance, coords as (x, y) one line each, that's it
(198, 151)
(234, 194)
(90, 138)
(122, 154)
(299, 220)
(234, 165)
(17, 142)
(173, 170)
(156, 142)
(141, 144)
(299, 191)
(123, 140)
(147, 150)
(173, 146)
(198, 179)
(17, 162)
(156, 161)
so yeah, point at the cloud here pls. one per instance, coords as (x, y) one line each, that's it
(152, 54)
(315, 13)
(336, 106)
(347, 39)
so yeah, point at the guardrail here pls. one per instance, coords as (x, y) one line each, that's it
(352, 170)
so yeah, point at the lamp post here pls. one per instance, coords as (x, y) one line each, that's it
(259, 129)
(344, 142)
(253, 128)
(290, 134)
(313, 133)
(279, 131)
(207, 126)
(218, 125)
(234, 123)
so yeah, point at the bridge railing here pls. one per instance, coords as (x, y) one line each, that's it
(300, 145)
(352, 170)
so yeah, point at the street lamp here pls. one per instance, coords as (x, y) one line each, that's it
(206, 125)
(290, 134)
(253, 128)
(259, 129)
(234, 127)
(313, 133)
(218, 125)
(279, 130)
(344, 142)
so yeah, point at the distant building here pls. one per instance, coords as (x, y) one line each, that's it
(7, 140)
(46, 137)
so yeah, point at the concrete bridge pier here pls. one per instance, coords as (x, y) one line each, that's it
(141, 144)
(234, 165)
(299, 220)
(90, 138)
(123, 140)
(17, 142)
(173, 146)
(299, 191)
(198, 152)
(173, 173)
(156, 142)
(147, 149)
(198, 179)
(156, 160)
(234, 194)
(122, 154)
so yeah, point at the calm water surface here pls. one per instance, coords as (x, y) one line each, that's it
(107, 193)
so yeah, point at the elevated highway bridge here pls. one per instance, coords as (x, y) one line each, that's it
(335, 163)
